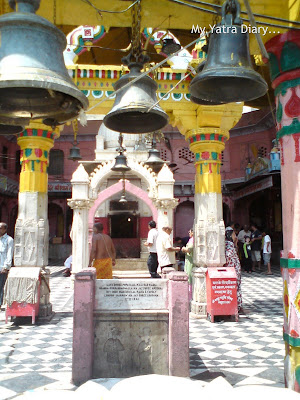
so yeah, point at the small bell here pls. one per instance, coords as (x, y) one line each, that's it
(123, 199)
(121, 164)
(75, 153)
(154, 161)
(132, 111)
(228, 75)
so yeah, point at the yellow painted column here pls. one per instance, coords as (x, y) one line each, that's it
(207, 144)
(35, 144)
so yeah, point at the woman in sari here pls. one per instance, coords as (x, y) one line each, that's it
(232, 260)
(103, 253)
(188, 264)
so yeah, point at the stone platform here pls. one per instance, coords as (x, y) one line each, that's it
(129, 274)
(123, 264)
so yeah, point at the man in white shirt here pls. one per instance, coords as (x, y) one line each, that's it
(267, 251)
(244, 232)
(165, 249)
(6, 255)
(152, 262)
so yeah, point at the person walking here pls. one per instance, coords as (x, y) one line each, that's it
(6, 256)
(256, 247)
(165, 249)
(189, 263)
(152, 262)
(267, 252)
(103, 253)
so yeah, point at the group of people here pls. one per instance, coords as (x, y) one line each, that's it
(162, 252)
(243, 248)
(252, 246)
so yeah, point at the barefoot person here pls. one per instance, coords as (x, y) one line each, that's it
(267, 252)
(103, 253)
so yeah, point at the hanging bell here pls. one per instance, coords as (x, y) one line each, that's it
(34, 81)
(131, 110)
(121, 164)
(123, 199)
(228, 75)
(154, 161)
(74, 153)
(11, 129)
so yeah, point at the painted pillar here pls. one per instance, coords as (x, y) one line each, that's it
(165, 201)
(32, 228)
(284, 53)
(207, 144)
(81, 204)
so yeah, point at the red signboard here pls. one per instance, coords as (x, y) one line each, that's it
(221, 287)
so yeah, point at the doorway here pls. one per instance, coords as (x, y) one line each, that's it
(123, 226)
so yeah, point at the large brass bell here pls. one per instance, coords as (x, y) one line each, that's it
(131, 111)
(228, 75)
(34, 82)
(74, 153)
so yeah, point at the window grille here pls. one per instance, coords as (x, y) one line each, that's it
(186, 154)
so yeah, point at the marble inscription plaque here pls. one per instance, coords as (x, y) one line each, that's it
(131, 294)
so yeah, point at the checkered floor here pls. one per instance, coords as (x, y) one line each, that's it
(248, 352)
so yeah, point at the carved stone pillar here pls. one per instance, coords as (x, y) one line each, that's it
(209, 246)
(199, 304)
(80, 203)
(32, 227)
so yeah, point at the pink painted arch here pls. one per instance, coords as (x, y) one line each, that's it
(116, 188)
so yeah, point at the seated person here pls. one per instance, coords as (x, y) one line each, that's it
(68, 265)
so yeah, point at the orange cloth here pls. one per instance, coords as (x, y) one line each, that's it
(103, 268)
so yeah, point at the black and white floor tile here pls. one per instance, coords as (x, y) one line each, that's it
(250, 351)
(36, 357)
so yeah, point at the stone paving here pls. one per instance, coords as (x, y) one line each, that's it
(34, 357)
